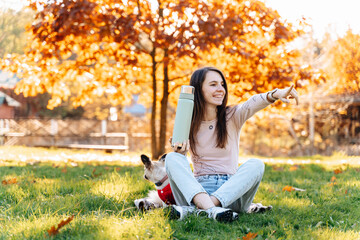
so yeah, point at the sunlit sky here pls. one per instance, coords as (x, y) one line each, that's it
(335, 16)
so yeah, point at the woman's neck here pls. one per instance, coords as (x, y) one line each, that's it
(210, 113)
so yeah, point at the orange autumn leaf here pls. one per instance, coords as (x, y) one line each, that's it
(94, 174)
(337, 171)
(53, 231)
(288, 188)
(332, 181)
(64, 170)
(250, 236)
(277, 168)
(10, 181)
(293, 168)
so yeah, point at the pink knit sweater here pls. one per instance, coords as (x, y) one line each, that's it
(212, 160)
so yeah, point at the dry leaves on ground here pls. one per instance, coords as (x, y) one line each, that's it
(332, 181)
(9, 181)
(53, 231)
(249, 236)
(337, 171)
(290, 189)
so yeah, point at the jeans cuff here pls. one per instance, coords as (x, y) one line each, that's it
(221, 200)
(191, 196)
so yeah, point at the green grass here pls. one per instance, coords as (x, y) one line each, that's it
(102, 200)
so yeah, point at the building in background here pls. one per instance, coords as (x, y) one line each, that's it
(7, 106)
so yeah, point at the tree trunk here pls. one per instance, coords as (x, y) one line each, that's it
(153, 109)
(164, 104)
(311, 125)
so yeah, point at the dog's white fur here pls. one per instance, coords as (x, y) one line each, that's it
(154, 171)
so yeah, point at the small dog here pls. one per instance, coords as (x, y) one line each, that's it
(155, 172)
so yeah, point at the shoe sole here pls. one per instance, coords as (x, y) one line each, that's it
(226, 216)
(173, 213)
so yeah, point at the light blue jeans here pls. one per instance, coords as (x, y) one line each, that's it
(233, 191)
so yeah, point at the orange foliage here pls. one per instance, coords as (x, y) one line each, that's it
(288, 188)
(10, 181)
(332, 181)
(53, 231)
(64, 170)
(337, 171)
(108, 49)
(95, 174)
(277, 168)
(293, 168)
(118, 48)
(249, 236)
(345, 64)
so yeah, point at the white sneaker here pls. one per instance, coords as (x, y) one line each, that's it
(258, 208)
(179, 212)
(219, 214)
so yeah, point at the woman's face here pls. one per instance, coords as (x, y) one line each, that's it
(213, 89)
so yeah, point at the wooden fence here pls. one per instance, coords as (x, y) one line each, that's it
(127, 134)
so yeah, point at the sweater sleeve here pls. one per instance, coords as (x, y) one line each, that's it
(247, 109)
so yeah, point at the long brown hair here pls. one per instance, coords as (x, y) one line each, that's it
(197, 80)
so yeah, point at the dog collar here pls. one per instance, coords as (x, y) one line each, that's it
(159, 183)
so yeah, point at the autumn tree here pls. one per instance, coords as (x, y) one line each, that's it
(12, 30)
(344, 65)
(85, 49)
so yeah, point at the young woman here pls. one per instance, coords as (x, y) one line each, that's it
(217, 187)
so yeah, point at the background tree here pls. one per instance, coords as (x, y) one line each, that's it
(85, 49)
(12, 30)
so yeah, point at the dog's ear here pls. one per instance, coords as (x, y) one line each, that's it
(162, 158)
(146, 160)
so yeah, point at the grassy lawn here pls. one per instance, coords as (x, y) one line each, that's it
(41, 188)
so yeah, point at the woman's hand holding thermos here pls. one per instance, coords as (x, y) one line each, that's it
(182, 148)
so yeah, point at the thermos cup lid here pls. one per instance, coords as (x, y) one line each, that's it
(187, 89)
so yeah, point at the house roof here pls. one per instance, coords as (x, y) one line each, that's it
(8, 100)
(8, 80)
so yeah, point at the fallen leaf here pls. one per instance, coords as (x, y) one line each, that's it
(53, 231)
(10, 181)
(94, 174)
(250, 236)
(293, 168)
(64, 170)
(290, 189)
(277, 168)
(332, 181)
(337, 171)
